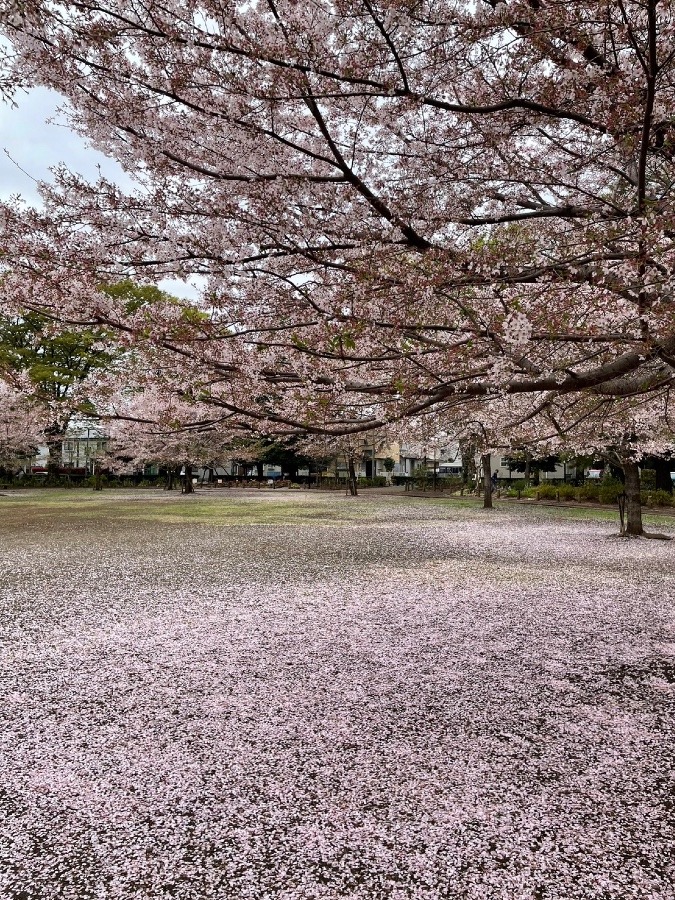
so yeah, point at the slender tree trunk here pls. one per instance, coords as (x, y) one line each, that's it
(259, 471)
(352, 477)
(633, 503)
(527, 470)
(487, 481)
(188, 486)
(468, 452)
(54, 436)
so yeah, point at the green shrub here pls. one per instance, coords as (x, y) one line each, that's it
(378, 481)
(589, 492)
(518, 485)
(518, 489)
(450, 483)
(91, 481)
(567, 492)
(547, 492)
(610, 489)
(661, 498)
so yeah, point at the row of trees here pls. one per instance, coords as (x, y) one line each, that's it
(427, 218)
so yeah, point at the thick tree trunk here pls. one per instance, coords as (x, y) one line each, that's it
(487, 481)
(188, 486)
(352, 477)
(633, 503)
(259, 471)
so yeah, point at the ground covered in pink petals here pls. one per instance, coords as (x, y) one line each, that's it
(387, 699)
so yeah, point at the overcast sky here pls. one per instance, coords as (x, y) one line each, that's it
(34, 146)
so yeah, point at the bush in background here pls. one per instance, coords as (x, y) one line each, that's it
(610, 489)
(589, 492)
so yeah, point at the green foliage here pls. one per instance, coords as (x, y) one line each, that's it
(55, 361)
(137, 296)
(389, 464)
(661, 498)
(648, 479)
(610, 489)
(547, 492)
(378, 481)
(451, 483)
(567, 492)
(515, 486)
(589, 492)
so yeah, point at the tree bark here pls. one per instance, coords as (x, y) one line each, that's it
(527, 470)
(259, 471)
(468, 451)
(352, 477)
(188, 486)
(487, 481)
(54, 436)
(633, 502)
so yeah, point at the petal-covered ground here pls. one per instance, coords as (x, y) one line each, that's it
(386, 698)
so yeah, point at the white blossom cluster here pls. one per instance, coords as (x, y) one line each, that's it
(517, 330)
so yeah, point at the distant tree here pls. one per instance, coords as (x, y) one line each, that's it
(55, 363)
(286, 455)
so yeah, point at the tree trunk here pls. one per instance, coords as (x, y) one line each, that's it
(170, 479)
(467, 452)
(259, 470)
(527, 470)
(487, 481)
(352, 477)
(54, 436)
(188, 486)
(633, 503)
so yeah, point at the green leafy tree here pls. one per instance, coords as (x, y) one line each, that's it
(286, 456)
(56, 363)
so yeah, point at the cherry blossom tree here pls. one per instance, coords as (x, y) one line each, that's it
(22, 424)
(623, 430)
(151, 426)
(394, 207)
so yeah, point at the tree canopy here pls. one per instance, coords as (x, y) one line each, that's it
(397, 209)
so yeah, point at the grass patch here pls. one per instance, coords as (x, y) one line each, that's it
(63, 506)
(83, 505)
